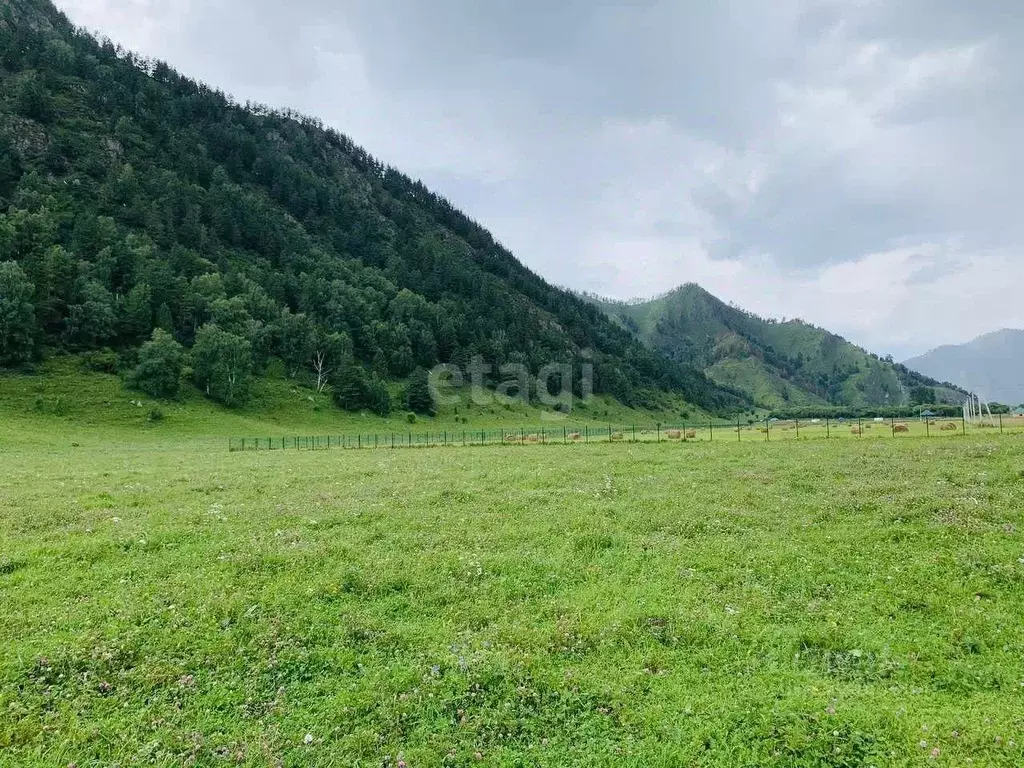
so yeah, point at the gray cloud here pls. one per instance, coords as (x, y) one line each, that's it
(779, 151)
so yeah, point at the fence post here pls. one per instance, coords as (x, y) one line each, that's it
(963, 421)
(565, 435)
(828, 429)
(1000, 423)
(860, 427)
(659, 431)
(767, 431)
(927, 426)
(892, 421)
(586, 433)
(738, 438)
(798, 428)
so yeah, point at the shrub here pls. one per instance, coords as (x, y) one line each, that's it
(417, 394)
(155, 415)
(158, 373)
(101, 361)
(356, 390)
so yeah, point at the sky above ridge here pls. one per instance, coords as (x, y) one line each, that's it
(855, 163)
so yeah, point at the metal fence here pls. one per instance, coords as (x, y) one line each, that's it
(735, 431)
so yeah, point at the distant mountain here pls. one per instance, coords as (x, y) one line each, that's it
(778, 364)
(991, 365)
(133, 198)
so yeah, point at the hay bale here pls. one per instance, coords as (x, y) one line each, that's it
(673, 434)
(691, 434)
(949, 426)
(616, 435)
(574, 435)
(901, 428)
(533, 438)
(855, 430)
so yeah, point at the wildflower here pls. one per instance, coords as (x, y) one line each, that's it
(935, 753)
(308, 739)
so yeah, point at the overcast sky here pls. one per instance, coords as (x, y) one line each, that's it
(851, 162)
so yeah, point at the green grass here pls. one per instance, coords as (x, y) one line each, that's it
(63, 401)
(800, 603)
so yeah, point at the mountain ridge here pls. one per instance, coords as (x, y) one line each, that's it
(779, 363)
(991, 365)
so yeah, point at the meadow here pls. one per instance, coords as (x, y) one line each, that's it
(802, 603)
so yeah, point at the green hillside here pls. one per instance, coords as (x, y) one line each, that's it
(133, 199)
(777, 364)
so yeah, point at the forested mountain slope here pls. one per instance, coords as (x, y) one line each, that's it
(134, 199)
(778, 364)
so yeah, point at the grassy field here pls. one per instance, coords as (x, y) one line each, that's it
(808, 603)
